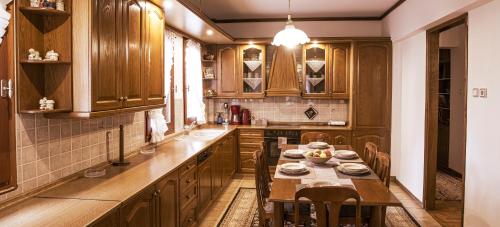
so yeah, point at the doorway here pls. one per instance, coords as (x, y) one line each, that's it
(445, 133)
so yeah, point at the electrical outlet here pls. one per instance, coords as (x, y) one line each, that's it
(475, 92)
(483, 92)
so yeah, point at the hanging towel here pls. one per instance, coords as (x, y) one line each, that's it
(158, 125)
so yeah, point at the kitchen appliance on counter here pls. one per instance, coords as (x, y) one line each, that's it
(271, 136)
(235, 115)
(245, 117)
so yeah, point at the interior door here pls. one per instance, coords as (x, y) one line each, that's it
(155, 25)
(7, 113)
(106, 73)
(132, 53)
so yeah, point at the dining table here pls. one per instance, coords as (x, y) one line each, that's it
(373, 192)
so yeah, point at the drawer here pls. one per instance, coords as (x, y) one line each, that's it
(249, 140)
(188, 215)
(251, 133)
(188, 166)
(188, 196)
(189, 178)
(246, 161)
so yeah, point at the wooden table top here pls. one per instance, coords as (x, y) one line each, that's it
(372, 192)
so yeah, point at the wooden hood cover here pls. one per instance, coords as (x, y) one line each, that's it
(283, 79)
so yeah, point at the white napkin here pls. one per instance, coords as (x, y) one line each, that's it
(158, 125)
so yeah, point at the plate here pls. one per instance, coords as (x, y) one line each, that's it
(293, 167)
(345, 154)
(353, 168)
(323, 183)
(294, 153)
(318, 145)
(298, 173)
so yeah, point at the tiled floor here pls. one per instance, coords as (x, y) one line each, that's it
(215, 212)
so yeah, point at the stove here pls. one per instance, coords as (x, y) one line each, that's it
(272, 151)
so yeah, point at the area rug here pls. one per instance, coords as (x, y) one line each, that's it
(448, 187)
(242, 212)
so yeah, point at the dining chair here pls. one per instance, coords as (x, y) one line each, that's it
(314, 137)
(328, 202)
(370, 153)
(383, 167)
(262, 188)
(265, 164)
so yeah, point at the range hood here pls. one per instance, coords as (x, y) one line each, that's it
(283, 80)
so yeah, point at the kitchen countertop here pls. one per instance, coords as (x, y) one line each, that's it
(98, 196)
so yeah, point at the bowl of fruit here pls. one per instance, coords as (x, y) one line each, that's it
(318, 156)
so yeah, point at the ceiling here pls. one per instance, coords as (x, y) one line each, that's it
(264, 9)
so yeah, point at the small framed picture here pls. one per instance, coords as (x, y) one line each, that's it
(311, 113)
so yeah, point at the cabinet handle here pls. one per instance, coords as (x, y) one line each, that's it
(125, 98)
(120, 99)
(188, 181)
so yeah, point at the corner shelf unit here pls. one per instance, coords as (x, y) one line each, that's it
(44, 30)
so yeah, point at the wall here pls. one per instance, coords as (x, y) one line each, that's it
(482, 178)
(455, 40)
(283, 109)
(408, 113)
(48, 150)
(312, 28)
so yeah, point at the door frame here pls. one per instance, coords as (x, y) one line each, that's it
(431, 106)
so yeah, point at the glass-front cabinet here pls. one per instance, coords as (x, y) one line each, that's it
(253, 78)
(315, 70)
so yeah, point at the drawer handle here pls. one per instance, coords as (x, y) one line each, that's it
(188, 181)
(188, 197)
(190, 220)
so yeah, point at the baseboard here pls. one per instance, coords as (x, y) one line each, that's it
(450, 171)
(396, 181)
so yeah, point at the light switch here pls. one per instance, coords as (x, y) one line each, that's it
(483, 92)
(475, 92)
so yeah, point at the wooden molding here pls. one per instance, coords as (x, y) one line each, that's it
(316, 39)
(396, 181)
(392, 8)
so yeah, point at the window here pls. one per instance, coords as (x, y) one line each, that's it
(195, 107)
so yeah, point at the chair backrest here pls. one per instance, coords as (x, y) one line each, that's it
(314, 137)
(383, 167)
(332, 196)
(370, 153)
(265, 164)
(261, 185)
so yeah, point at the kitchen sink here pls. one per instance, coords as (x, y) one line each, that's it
(206, 134)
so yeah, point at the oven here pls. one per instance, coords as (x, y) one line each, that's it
(271, 136)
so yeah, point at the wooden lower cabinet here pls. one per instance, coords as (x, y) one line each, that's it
(188, 188)
(140, 210)
(228, 159)
(188, 215)
(337, 137)
(111, 219)
(167, 209)
(218, 167)
(204, 184)
(381, 137)
(249, 141)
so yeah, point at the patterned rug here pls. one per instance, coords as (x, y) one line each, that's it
(448, 187)
(242, 212)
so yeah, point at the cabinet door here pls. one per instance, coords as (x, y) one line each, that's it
(227, 82)
(139, 211)
(217, 168)
(252, 74)
(168, 207)
(340, 71)
(111, 219)
(380, 137)
(372, 85)
(205, 185)
(229, 159)
(106, 74)
(341, 137)
(132, 53)
(155, 76)
(315, 71)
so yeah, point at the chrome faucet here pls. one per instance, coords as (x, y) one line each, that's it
(189, 128)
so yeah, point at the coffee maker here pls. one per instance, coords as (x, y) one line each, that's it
(235, 115)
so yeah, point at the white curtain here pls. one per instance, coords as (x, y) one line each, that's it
(169, 63)
(4, 17)
(195, 107)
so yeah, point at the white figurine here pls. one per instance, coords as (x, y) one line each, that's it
(43, 103)
(60, 5)
(34, 55)
(35, 3)
(51, 56)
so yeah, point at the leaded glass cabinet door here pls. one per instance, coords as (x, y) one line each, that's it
(315, 70)
(253, 77)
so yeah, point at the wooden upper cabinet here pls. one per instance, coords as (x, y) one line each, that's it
(252, 71)
(315, 82)
(372, 85)
(106, 79)
(227, 83)
(133, 53)
(340, 70)
(155, 75)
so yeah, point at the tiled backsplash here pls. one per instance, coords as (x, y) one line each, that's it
(286, 109)
(49, 149)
